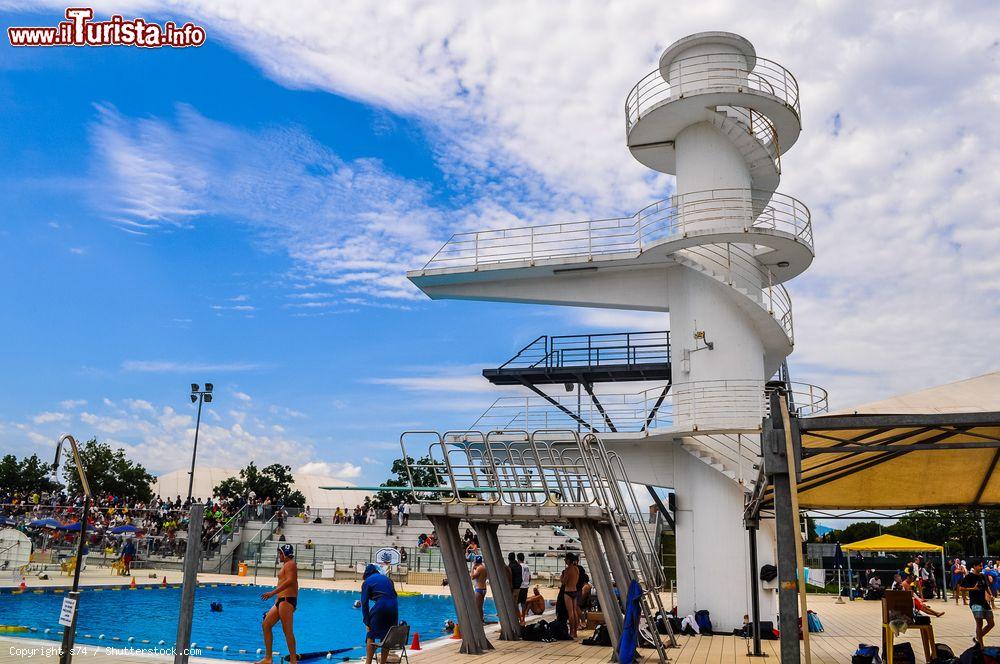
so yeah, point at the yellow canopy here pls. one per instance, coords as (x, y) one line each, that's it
(876, 456)
(890, 543)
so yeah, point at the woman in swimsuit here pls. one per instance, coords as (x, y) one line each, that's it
(384, 613)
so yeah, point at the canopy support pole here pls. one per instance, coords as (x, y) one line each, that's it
(850, 580)
(944, 577)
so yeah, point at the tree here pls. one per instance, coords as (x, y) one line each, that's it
(855, 532)
(30, 474)
(109, 471)
(274, 482)
(423, 475)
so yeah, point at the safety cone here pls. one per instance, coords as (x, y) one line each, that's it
(416, 641)
(457, 634)
(24, 586)
(164, 584)
(132, 585)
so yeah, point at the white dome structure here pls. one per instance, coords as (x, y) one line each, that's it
(175, 483)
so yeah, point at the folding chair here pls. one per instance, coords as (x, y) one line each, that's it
(396, 639)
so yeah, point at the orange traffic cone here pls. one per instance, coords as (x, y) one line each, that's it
(416, 641)
(132, 585)
(457, 634)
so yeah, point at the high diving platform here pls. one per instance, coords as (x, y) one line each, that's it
(541, 477)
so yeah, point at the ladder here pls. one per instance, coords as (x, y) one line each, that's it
(621, 504)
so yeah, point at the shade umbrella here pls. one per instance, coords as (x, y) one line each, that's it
(7, 521)
(44, 523)
(126, 528)
(838, 563)
(71, 527)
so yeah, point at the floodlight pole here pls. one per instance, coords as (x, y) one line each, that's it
(199, 395)
(194, 453)
(69, 634)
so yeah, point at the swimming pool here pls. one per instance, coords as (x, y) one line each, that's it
(324, 620)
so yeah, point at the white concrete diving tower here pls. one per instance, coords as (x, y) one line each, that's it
(716, 254)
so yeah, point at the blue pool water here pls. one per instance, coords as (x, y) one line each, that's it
(324, 620)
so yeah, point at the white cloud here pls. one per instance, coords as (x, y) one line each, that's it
(169, 366)
(896, 160)
(152, 434)
(445, 378)
(49, 416)
(71, 404)
(243, 396)
(621, 321)
(345, 469)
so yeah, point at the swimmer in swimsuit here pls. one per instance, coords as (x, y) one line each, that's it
(479, 576)
(570, 580)
(287, 593)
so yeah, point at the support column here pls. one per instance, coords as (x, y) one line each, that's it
(776, 467)
(617, 559)
(474, 641)
(601, 577)
(489, 543)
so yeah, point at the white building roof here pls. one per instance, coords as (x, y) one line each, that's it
(173, 484)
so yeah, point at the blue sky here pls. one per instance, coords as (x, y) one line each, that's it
(244, 212)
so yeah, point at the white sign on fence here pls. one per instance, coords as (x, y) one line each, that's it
(68, 609)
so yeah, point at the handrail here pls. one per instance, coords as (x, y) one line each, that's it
(739, 268)
(712, 72)
(714, 210)
(725, 402)
(593, 350)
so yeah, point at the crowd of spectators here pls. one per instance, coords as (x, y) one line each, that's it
(51, 520)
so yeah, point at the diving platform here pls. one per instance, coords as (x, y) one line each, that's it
(587, 359)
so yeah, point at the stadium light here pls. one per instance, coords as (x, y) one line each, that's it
(200, 396)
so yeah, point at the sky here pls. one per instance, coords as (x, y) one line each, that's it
(244, 212)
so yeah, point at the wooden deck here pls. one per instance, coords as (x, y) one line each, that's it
(846, 625)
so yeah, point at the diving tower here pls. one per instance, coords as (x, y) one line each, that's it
(716, 254)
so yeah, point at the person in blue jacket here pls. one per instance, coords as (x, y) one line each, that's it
(384, 611)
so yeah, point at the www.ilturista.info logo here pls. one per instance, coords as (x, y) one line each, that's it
(80, 30)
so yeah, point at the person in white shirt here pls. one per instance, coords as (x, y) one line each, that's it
(522, 596)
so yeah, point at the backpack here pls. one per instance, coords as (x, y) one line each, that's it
(943, 652)
(559, 631)
(538, 631)
(815, 625)
(973, 655)
(902, 653)
(866, 654)
(991, 655)
(600, 637)
(704, 621)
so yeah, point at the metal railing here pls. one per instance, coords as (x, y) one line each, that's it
(760, 127)
(593, 350)
(713, 72)
(739, 268)
(716, 210)
(709, 404)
